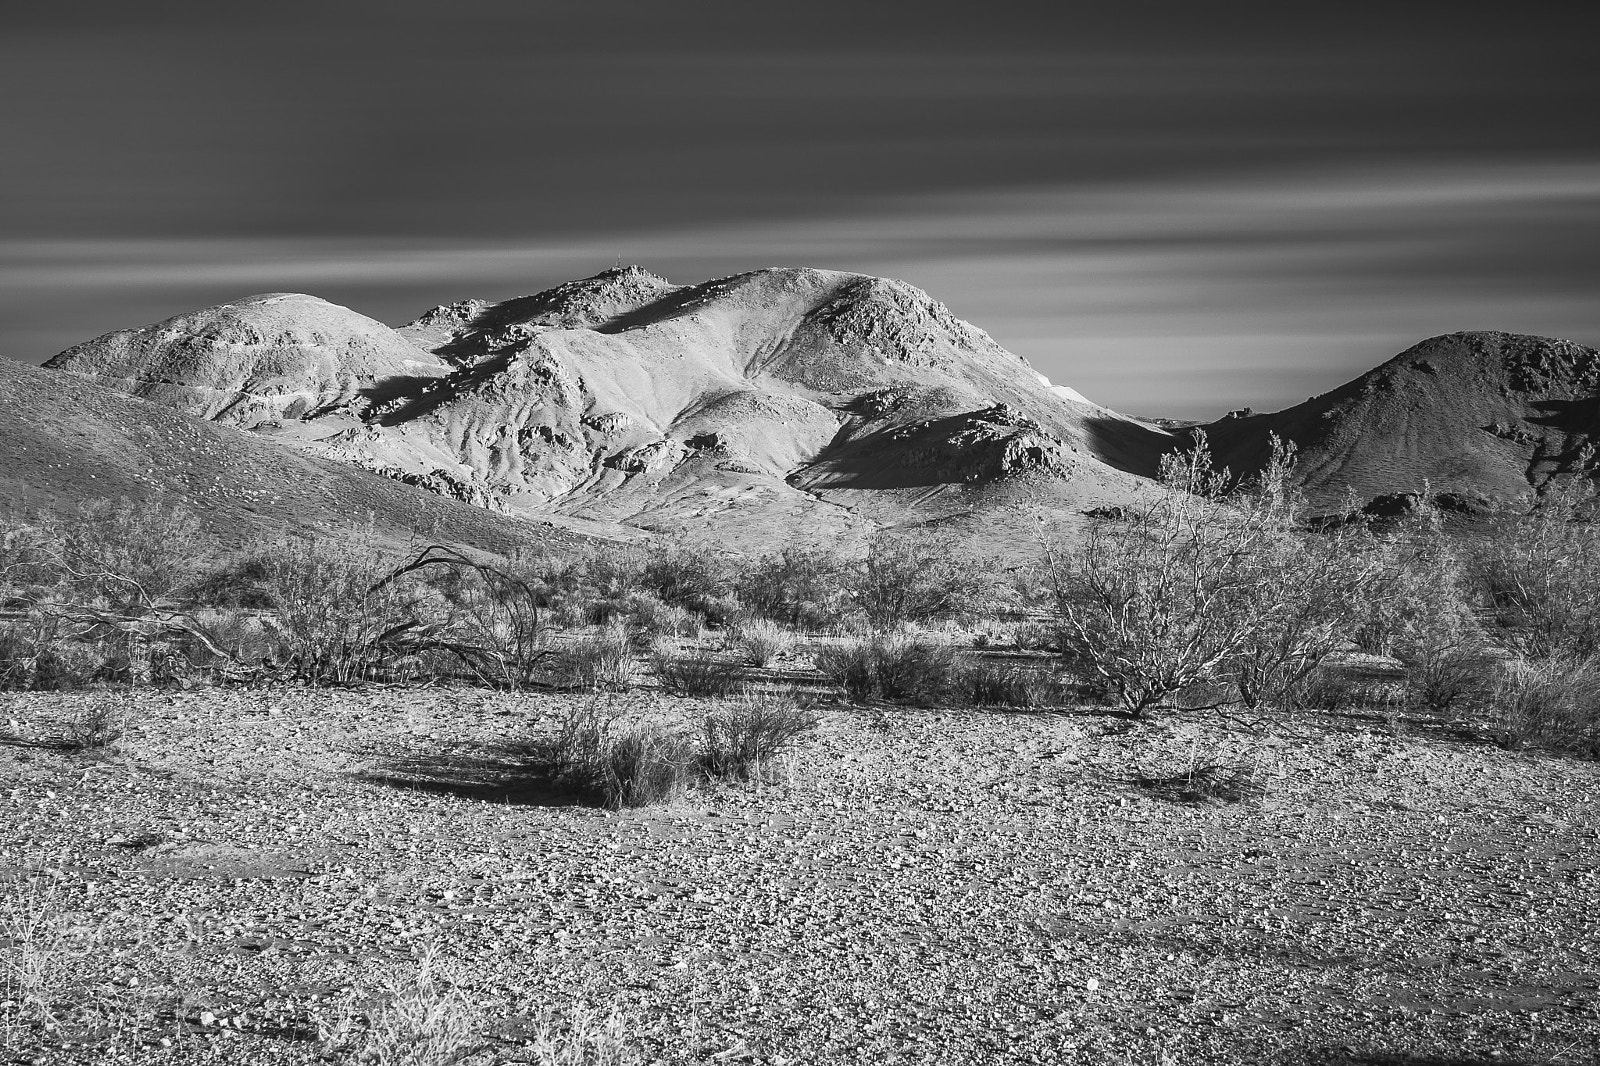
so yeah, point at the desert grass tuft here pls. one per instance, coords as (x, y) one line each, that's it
(423, 1022)
(92, 729)
(985, 684)
(895, 667)
(697, 673)
(743, 737)
(647, 766)
(600, 661)
(763, 641)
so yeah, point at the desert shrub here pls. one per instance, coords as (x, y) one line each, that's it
(62, 664)
(894, 667)
(647, 765)
(93, 727)
(745, 735)
(602, 660)
(333, 620)
(18, 654)
(1541, 573)
(697, 673)
(128, 553)
(1198, 588)
(573, 757)
(1220, 782)
(987, 684)
(1420, 605)
(763, 640)
(592, 757)
(1340, 687)
(422, 1021)
(850, 666)
(652, 618)
(481, 618)
(1548, 703)
(915, 577)
(800, 587)
(693, 580)
(1448, 679)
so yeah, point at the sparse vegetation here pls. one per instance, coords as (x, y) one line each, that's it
(647, 765)
(603, 661)
(93, 727)
(763, 640)
(744, 736)
(697, 673)
(988, 684)
(895, 667)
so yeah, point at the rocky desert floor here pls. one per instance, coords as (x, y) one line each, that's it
(247, 872)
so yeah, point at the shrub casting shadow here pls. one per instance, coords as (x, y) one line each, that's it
(506, 773)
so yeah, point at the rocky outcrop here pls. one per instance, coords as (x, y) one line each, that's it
(275, 357)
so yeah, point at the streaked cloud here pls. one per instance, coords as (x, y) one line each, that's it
(1180, 297)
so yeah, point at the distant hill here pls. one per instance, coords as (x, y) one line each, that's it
(796, 404)
(745, 409)
(64, 440)
(1485, 414)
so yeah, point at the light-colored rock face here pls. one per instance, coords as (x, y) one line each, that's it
(275, 357)
(623, 392)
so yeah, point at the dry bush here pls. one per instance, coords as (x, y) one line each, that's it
(986, 684)
(600, 763)
(909, 578)
(763, 640)
(93, 727)
(743, 737)
(600, 661)
(574, 757)
(1541, 573)
(1196, 587)
(697, 673)
(423, 1021)
(693, 580)
(646, 766)
(1210, 774)
(1548, 703)
(333, 622)
(1449, 680)
(896, 667)
(34, 955)
(800, 587)
(584, 1038)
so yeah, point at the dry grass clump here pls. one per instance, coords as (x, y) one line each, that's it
(743, 737)
(594, 758)
(93, 728)
(987, 684)
(602, 661)
(646, 766)
(763, 640)
(35, 956)
(584, 1038)
(699, 673)
(1552, 704)
(896, 667)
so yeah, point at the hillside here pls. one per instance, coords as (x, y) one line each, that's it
(745, 408)
(64, 440)
(1485, 414)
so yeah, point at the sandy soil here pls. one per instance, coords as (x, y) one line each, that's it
(924, 887)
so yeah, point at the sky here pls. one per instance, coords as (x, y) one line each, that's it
(1175, 208)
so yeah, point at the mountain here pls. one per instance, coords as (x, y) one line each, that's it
(1480, 414)
(64, 440)
(745, 408)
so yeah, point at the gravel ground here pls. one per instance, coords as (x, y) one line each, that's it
(920, 887)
